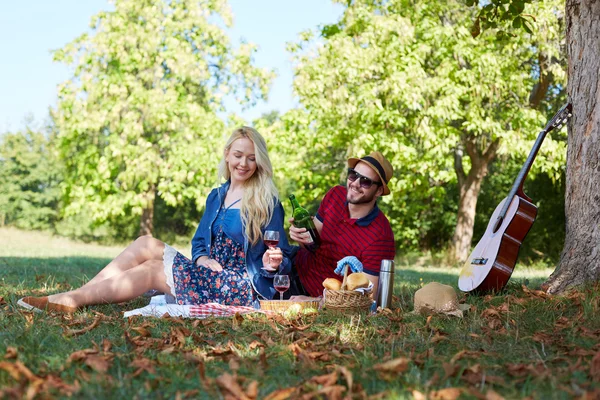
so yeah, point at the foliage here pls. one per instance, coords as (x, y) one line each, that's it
(518, 344)
(407, 78)
(503, 16)
(30, 172)
(138, 119)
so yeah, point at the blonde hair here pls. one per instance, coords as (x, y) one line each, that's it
(258, 200)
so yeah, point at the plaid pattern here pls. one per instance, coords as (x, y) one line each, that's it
(158, 308)
(353, 262)
(220, 310)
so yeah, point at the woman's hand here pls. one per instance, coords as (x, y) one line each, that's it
(272, 259)
(212, 264)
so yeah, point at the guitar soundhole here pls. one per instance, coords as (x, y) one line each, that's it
(479, 261)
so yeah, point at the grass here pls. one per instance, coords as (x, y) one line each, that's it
(517, 344)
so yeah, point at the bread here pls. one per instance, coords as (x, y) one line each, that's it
(332, 284)
(357, 280)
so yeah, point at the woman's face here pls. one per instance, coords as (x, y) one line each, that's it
(241, 160)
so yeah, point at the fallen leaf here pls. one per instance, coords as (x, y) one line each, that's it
(541, 337)
(75, 332)
(282, 394)
(445, 394)
(229, 384)
(143, 364)
(142, 331)
(11, 352)
(349, 380)
(325, 380)
(97, 363)
(106, 345)
(418, 395)
(263, 359)
(595, 368)
(252, 390)
(18, 369)
(331, 393)
(396, 365)
(492, 395)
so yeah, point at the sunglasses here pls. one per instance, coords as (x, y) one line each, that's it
(364, 182)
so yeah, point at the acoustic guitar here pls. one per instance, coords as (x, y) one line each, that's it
(493, 260)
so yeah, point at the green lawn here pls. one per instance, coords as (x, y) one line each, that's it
(517, 344)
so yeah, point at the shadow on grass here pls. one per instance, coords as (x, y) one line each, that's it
(36, 271)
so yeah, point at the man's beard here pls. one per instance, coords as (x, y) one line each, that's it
(362, 200)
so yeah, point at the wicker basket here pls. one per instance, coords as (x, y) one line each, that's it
(347, 300)
(282, 306)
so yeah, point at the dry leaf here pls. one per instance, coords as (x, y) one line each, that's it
(282, 394)
(142, 331)
(330, 392)
(75, 332)
(595, 368)
(252, 390)
(97, 363)
(11, 352)
(492, 395)
(445, 394)
(228, 384)
(325, 380)
(143, 364)
(395, 365)
(418, 395)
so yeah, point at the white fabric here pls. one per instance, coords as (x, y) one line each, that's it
(158, 307)
(168, 256)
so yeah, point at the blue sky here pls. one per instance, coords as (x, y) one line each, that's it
(29, 30)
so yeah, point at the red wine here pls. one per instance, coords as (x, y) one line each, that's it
(271, 243)
(281, 289)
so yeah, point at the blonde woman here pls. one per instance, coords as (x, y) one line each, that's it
(230, 263)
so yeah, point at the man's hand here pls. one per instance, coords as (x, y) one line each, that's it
(299, 235)
(272, 259)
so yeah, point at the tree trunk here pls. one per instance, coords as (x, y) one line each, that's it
(469, 188)
(146, 221)
(580, 258)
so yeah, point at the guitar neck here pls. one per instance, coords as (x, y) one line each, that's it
(518, 185)
(556, 122)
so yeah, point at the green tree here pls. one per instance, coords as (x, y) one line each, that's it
(29, 180)
(138, 119)
(409, 80)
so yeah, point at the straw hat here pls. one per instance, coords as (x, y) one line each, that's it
(435, 298)
(379, 164)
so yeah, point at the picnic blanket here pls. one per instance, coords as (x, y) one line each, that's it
(158, 307)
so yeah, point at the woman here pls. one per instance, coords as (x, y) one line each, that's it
(230, 263)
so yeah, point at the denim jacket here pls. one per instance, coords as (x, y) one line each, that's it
(262, 281)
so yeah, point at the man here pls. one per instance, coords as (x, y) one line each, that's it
(350, 224)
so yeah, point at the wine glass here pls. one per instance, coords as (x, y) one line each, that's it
(281, 284)
(271, 239)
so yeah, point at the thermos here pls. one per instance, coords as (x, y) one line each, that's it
(386, 284)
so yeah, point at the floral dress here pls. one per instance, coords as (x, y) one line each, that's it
(192, 284)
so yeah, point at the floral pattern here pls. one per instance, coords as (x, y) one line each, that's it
(198, 284)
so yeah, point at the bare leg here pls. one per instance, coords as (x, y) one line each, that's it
(121, 287)
(141, 250)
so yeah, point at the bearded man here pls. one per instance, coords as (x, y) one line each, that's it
(349, 224)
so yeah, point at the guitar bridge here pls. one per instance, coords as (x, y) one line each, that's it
(479, 261)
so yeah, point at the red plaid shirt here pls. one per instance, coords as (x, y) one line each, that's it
(370, 239)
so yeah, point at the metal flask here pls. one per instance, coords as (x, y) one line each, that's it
(386, 284)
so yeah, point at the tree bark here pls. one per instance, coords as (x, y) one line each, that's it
(147, 219)
(469, 188)
(580, 258)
